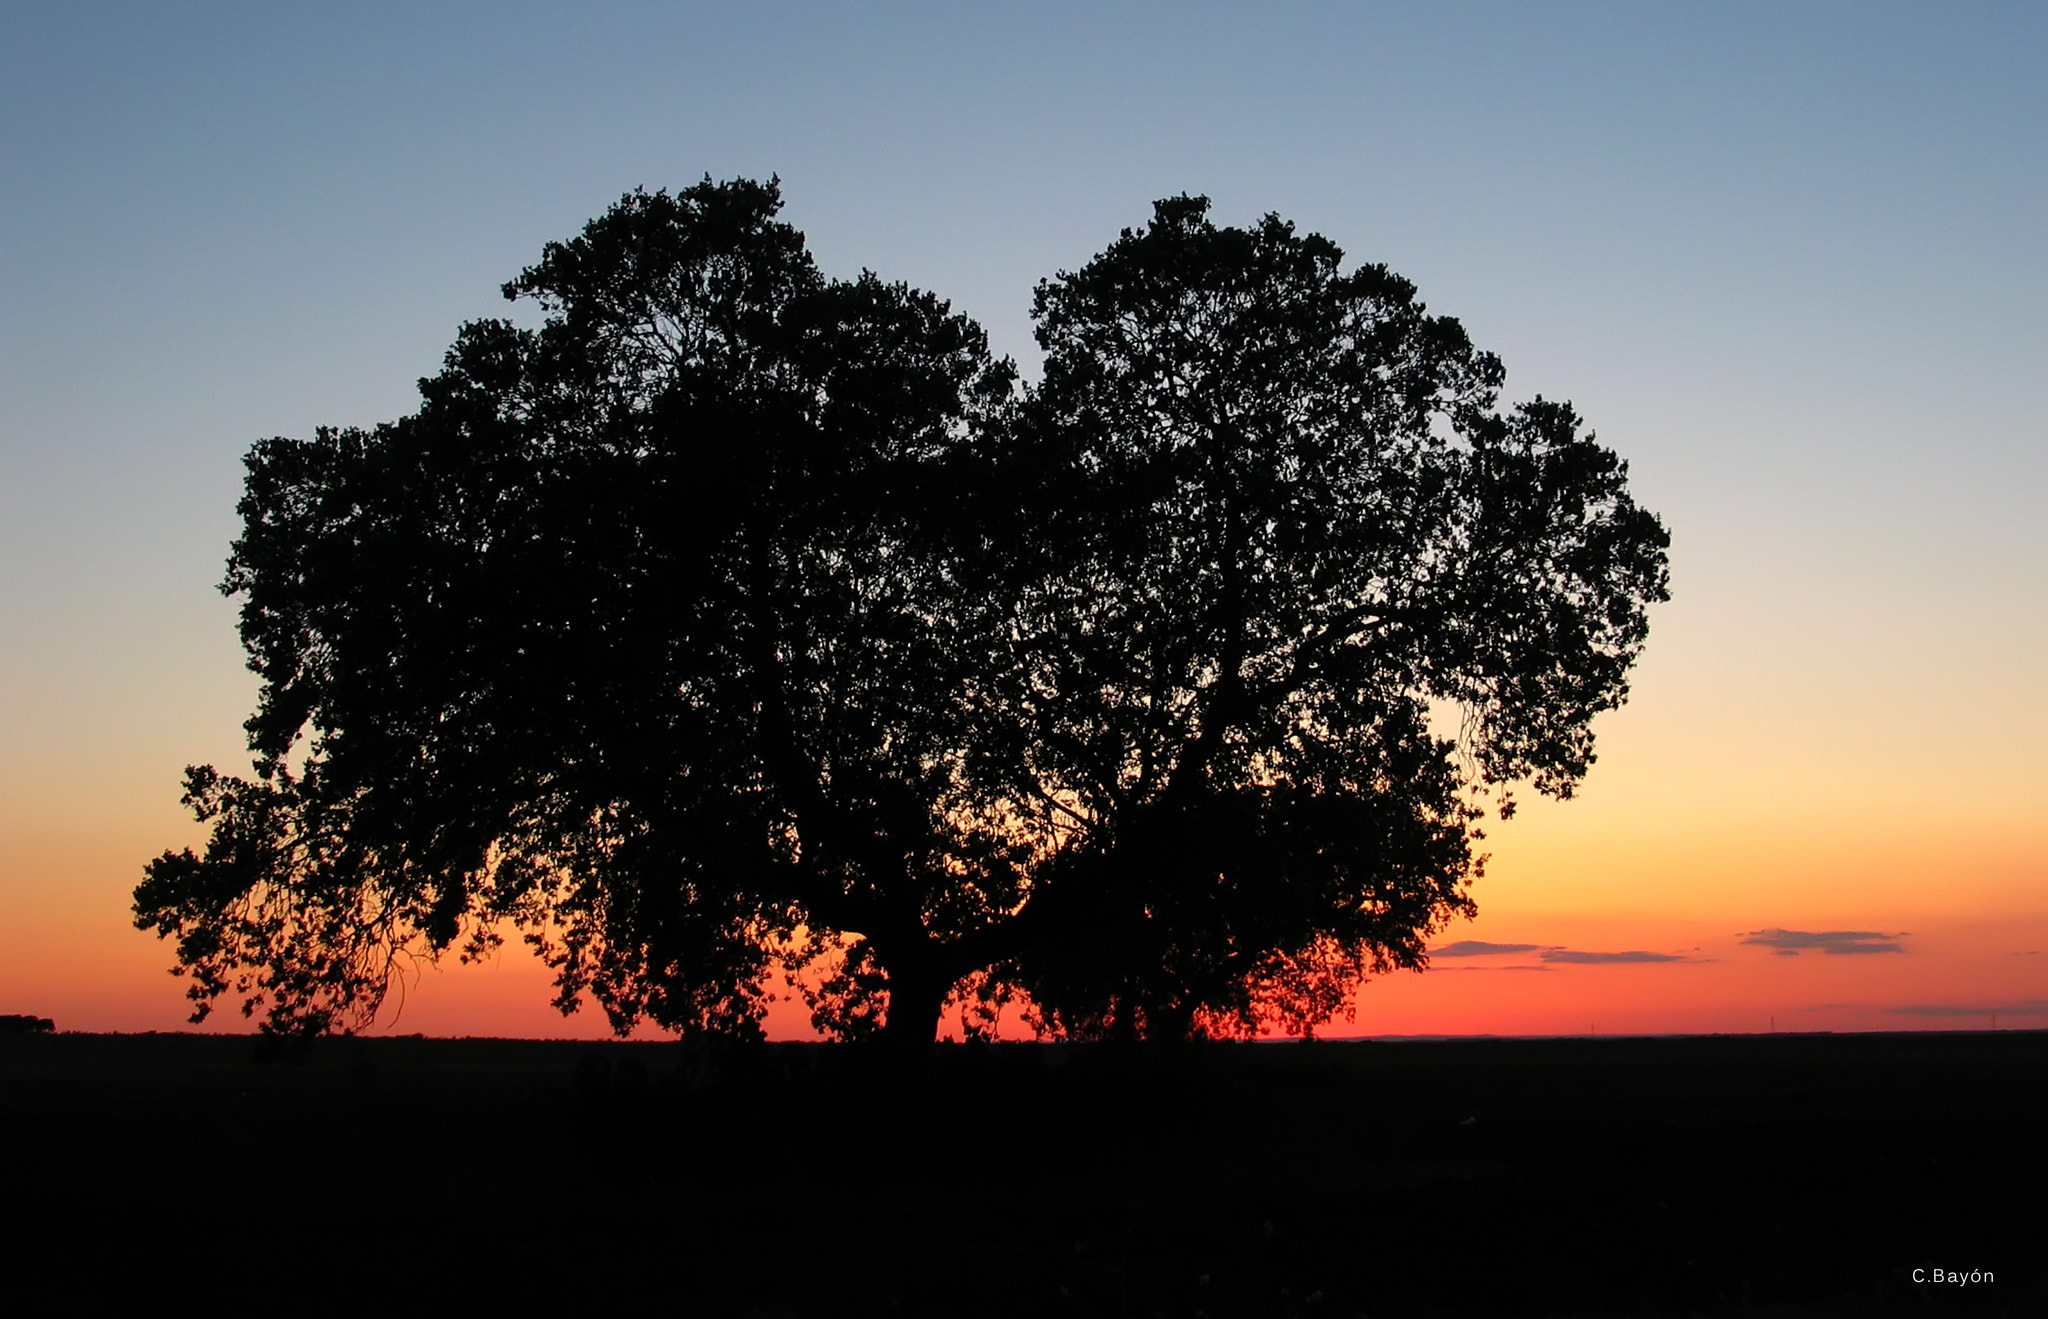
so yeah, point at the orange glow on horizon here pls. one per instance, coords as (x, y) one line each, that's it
(1668, 849)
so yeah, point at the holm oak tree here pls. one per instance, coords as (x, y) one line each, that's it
(738, 620)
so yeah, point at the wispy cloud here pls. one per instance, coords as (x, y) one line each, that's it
(2033, 1008)
(1512, 966)
(1546, 953)
(1480, 948)
(1791, 943)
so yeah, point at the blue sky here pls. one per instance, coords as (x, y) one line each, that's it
(1786, 258)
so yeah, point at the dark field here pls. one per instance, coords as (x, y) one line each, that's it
(1782, 1175)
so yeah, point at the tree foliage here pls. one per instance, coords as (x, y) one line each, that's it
(739, 618)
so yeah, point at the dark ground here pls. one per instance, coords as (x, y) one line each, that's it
(1763, 1175)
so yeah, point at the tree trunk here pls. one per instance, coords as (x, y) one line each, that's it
(917, 993)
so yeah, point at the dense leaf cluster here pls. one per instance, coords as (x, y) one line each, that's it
(739, 618)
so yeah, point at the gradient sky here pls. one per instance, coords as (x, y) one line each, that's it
(1787, 259)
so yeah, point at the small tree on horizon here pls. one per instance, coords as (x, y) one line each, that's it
(739, 615)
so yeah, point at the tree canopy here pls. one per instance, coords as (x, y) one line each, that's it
(739, 620)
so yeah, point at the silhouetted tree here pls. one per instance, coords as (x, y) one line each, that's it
(738, 617)
(1278, 513)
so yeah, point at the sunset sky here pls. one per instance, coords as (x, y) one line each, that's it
(1788, 260)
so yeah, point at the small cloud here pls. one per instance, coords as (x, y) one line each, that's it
(1576, 957)
(1518, 966)
(1791, 943)
(2035, 1008)
(1479, 948)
